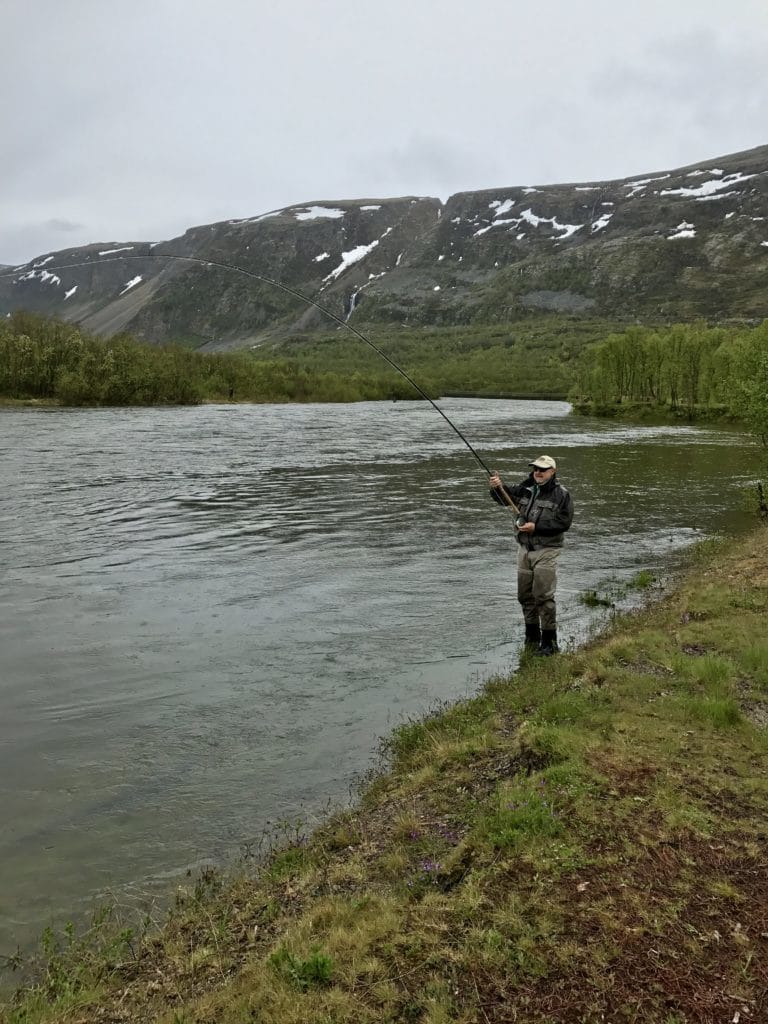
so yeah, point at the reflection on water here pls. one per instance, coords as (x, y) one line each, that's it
(209, 615)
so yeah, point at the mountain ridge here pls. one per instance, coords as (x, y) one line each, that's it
(681, 243)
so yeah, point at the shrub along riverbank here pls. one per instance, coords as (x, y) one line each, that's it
(685, 371)
(583, 841)
(50, 361)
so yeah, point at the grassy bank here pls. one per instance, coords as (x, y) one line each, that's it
(655, 414)
(24, 403)
(583, 841)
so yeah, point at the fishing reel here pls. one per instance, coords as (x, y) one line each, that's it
(520, 521)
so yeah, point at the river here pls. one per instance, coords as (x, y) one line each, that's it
(209, 615)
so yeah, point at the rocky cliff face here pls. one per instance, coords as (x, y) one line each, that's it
(682, 243)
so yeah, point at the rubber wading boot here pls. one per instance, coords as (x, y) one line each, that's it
(532, 634)
(548, 645)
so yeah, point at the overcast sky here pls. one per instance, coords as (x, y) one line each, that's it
(134, 121)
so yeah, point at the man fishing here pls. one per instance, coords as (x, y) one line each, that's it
(546, 512)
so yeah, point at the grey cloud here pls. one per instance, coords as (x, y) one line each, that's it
(427, 162)
(693, 77)
(61, 224)
(23, 241)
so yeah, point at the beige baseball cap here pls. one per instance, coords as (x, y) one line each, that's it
(544, 462)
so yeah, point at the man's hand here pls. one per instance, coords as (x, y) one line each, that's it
(495, 480)
(526, 528)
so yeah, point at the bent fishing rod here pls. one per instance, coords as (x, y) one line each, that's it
(303, 298)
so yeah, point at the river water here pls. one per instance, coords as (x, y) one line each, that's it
(209, 615)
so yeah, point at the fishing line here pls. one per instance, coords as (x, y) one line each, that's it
(289, 291)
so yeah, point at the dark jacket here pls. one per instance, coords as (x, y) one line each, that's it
(549, 506)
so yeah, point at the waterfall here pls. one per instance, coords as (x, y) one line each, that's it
(352, 304)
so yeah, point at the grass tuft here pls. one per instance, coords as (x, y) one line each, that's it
(754, 659)
(642, 580)
(520, 812)
(316, 969)
(592, 599)
(719, 712)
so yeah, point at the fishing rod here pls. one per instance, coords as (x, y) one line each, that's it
(303, 298)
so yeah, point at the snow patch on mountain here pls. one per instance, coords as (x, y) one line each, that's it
(501, 207)
(535, 220)
(40, 275)
(642, 183)
(132, 284)
(568, 229)
(315, 212)
(683, 230)
(718, 195)
(351, 257)
(601, 222)
(710, 187)
(255, 220)
(496, 224)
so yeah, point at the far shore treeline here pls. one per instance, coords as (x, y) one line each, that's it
(50, 360)
(691, 370)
